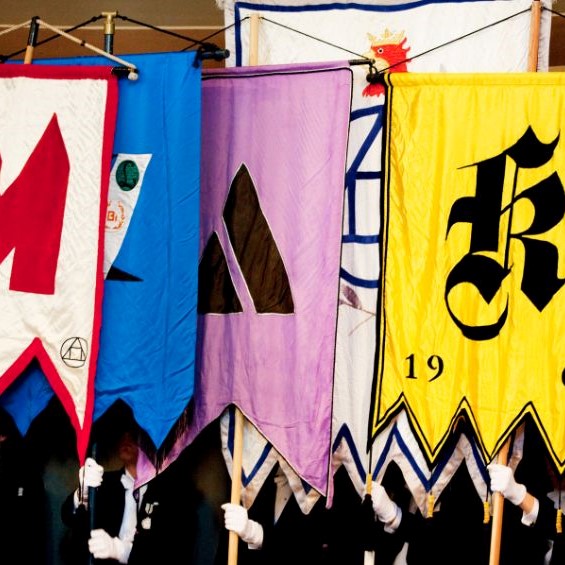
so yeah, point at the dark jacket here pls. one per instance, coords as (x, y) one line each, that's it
(107, 513)
(545, 527)
(296, 538)
(168, 524)
(22, 508)
(457, 528)
(456, 532)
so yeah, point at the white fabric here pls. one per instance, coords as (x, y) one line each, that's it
(129, 519)
(121, 205)
(283, 493)
(90, 475)
(500, 47)
(385, 509)
(392, 525)
(556, 496)
(103, 546)
(63, 324)
(400, 559)
(257, 448)
(502, 480)
(529, 518)
(236, 520)
(254, 535)
(549, 554)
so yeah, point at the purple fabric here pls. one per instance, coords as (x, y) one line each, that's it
(289, 126)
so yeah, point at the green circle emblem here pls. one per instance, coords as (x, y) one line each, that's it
(127, 175)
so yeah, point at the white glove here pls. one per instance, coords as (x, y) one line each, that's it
(385, 509)
(89, 475)
(103, 546)
(236, 520)
(502, 480)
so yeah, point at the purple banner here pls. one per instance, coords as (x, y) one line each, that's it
(273, 166)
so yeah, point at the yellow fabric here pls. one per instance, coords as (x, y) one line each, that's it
(486, 512)
(458, 155)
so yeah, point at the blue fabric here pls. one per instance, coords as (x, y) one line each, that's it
(26, 397)
(147, 344)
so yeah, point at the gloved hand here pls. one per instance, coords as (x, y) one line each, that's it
(236, 520)
(89, 475)
(385, 509)
(103, 546)
(502, 480)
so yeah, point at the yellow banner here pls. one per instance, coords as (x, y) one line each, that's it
(472, 304)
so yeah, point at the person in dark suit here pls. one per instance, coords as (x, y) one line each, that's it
(529, 533)
(22, 500)
(535, 516)
(109, 538)
(275, 531)
(457, 532)
(170, 519)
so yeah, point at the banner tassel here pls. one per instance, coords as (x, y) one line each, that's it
(431, 502)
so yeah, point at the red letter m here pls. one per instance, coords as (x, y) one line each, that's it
(31, 214)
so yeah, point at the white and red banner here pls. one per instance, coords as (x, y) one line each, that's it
(56, 136)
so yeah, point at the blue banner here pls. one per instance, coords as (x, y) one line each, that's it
(147, 344)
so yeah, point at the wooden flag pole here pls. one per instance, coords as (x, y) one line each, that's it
(254, 39)
(31, 40)
(15, 27)
(369, 556)
(131, 68)
(233, 539)
(237, 461)
(497, 498)
(497, 511)
(534, 36)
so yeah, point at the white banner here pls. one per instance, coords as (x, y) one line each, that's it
(56, 135)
